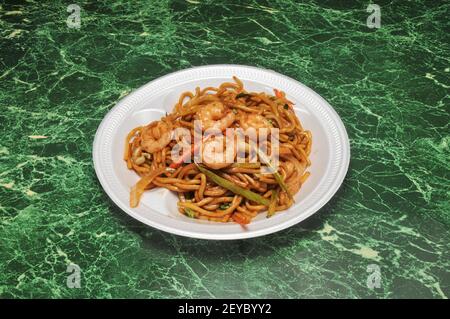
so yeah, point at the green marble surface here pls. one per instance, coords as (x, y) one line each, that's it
(389, 85)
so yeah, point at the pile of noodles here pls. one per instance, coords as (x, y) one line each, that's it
(199, 196)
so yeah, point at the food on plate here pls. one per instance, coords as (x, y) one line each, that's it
(229, 154)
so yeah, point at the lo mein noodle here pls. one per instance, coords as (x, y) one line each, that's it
(219, 190)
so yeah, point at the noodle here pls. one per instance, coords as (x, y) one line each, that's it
(148, 151)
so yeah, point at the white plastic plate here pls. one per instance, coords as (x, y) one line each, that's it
(330, 153)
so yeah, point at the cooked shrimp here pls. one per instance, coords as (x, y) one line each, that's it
(217, 153)
(216, 116)
(156, 136)
(251, 120)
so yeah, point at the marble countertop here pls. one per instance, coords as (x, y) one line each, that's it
(384, 235)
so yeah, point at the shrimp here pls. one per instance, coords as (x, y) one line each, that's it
(256, 121)
(215, 116)
(156, 136)
(218, 153)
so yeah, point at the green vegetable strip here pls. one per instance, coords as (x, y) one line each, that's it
(273, 203)
(189, 212)
(282, 184)
(275, 173)
(242, 95)
(234, 188)
(224, 206)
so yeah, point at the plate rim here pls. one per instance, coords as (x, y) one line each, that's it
(335, 186)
